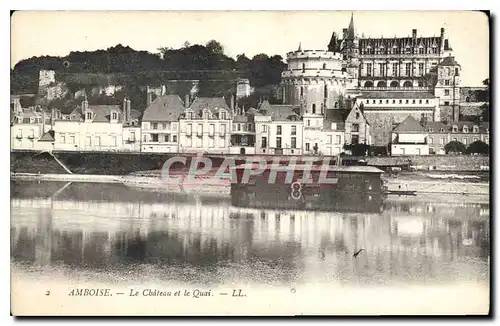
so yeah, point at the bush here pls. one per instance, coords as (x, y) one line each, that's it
(478, 147)
(454, 147)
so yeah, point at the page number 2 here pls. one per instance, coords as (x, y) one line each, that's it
(47, 292)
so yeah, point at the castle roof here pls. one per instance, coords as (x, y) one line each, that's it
(280, 112)
(448, 61)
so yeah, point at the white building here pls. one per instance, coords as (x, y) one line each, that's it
(243, 133)
(278, 130)
(28, 127)
(409, 138)
(205, 126)
(98, 128)
(160, 125)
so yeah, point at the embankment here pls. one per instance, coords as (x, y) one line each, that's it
(109, 163)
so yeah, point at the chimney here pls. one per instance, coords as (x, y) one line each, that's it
(85, 105)
(414, 34)
(128, 117)
(150, 97)
(124, 110)
(186, 101)
(446, 45)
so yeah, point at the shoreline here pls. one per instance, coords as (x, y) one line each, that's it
(438, 186)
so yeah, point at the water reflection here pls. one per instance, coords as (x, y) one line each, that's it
(113, 228)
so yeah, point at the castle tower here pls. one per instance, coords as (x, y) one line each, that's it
(314, 80)
(448, 88)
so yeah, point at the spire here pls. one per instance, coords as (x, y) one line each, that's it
(300, 46)
(332, 46)
(351, 33)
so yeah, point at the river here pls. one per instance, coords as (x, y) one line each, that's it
(421, 255)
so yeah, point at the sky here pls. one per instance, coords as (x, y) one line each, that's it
(56, 33)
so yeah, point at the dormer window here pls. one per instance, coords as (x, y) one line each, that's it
(114, 116)
(455, 128)
(441, 130)
(89, 116)
(475, 129)
(357, 115)
(222, 115)
(189, 115)
(466, 129)
(206, 115)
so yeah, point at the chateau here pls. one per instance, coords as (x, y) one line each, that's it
(401, 93)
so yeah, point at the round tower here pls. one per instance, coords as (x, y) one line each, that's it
(314, 80)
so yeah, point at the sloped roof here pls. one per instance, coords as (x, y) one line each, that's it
(327, 125)
(435, 126)
(336, 115)
(103, 112)
(449, 61)
(211, 103)
(135, 114)
(164, 108)
(410, 125)
(48, 136)
(280, 112)
(396, 95)
(241, 118)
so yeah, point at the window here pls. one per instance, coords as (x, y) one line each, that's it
(357, 115)
(355, 139)
(174, 138)
(222, 130)
(294, 130)
(314, 108)
(464, 140)
(308, 147)
(132, 135)
(302, 92)
(206, 115)
(155, 125)
(446, 103)
(456, 71)
(455, 128)
(89, 115)
(154, 138)
(189, 129)
(278, 142)
(381, 69)
(466, 129)
(431, 140)
(238, 127)
(174, 126)
(413, 101)
(355, 127)
(264, 128)
(199, 141)
(325, 91)
(421, 51)
(211, 142)
(167, 138)
(421, 68)
(408, 69)
(386, 101)
(114, 116)
(190, 115)
(249, 127)
(337, 139)
(369, 69)
(447, 83)
(406, 101)
(324, 65)
(294, 142)
(441, 141)
(426, 101)
(400, 101)
(446, 92)
(211, 129)
(393, 101)
(63, 139)
(88, 141)
(394, 69)
(278, 130)
(303, 67)
(380, 101)
(200, 130)
(308, 122)
(475, 129)
(222, 115)
(374, 101)
(113, 140)
(419, 101)
(264, 142)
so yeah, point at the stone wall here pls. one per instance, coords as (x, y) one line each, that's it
(440, 162)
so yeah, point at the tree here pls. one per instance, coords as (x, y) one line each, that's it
(215, 47)
(478, 147)
(454, 147)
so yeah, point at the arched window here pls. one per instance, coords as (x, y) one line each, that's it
(394, 84)
(381, 84)
(407, 84)
(314, 108)
(368, 84)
